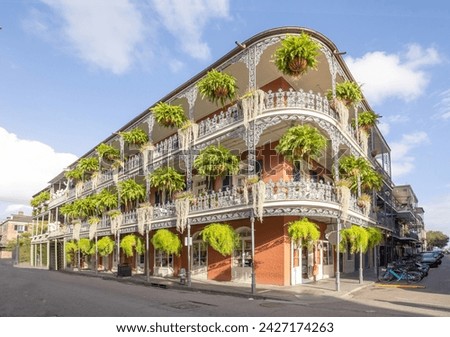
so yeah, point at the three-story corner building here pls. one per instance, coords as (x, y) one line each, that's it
(251, 125)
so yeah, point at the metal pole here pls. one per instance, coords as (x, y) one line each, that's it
(252, 223)
(96, 253)
(56, 254)
(338, 258)
(118, 251)
(147, 247)
(189, 253)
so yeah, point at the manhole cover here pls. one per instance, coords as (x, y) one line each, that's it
(184, 305)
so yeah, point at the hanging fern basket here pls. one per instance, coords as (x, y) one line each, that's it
(221, 237)
(298, 66)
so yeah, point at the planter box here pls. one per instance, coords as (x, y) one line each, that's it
(123, 270)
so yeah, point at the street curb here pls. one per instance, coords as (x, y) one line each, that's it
(166, 286)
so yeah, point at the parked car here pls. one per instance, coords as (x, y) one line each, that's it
(430, 258)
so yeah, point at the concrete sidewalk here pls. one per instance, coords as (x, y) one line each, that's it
(349, 283)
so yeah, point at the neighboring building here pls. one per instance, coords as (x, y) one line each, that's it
(288, 195)
(410, 235)
(10, 229)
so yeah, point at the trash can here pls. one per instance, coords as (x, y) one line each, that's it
(123, 270)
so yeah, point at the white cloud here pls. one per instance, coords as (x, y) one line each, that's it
(393, 75)
(27, 166)
(402, 160)
(443, 106)
(185, 20)
(104, 33)
(6, 209)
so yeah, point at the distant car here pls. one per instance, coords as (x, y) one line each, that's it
(430, 258)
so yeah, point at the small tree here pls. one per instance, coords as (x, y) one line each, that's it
(437, 239)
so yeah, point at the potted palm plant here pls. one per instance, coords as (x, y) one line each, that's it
(167, 180)
(301, 143)
(75, 174)
(71, 250)
(221, 237)
(106, 200)
(88, 166)
(135, 138)
(296, 55)
(130, 192)
(348, 92)
(107, 154)
(366, 120)
(217, 87)
(168, 115)
(40, 199)
(360, 174)
(216, 161)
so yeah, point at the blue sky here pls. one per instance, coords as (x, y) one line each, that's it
(73, 72)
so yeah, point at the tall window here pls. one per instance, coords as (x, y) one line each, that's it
(327, 253)
(199, 251)
(243, 252)
(162, 259)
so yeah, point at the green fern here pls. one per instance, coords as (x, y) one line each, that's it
(221, 237)
(218, 87)
(297, 54)
(166, 241)
(169, 115)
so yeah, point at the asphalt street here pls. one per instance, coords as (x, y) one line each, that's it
(27, 292)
